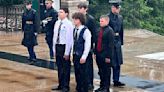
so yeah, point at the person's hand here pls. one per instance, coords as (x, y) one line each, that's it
(66, 57)
(36, 34)
(44, 22)
(107, 60)
(94, 56)
(82, 61)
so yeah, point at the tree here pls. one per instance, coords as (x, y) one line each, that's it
(10, 2)
(157, 16)
(135, 12)
(145, 14)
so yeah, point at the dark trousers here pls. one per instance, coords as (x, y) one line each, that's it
(90, 69)
(116, 73)
(50, 45)
(104, 72)
(80, 74)
(63, 67)
(31, 53)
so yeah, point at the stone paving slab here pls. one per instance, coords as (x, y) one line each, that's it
(18, 77)
(140, 74)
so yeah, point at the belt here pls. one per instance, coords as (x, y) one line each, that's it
(117, 34)
(29, 22)
(60, 44)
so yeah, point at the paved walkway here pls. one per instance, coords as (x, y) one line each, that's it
(141, 74)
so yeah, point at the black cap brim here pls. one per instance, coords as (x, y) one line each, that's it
(117, 5)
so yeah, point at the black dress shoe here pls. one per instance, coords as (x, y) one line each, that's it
(65, 90)
(58, 88)
(29, 58)
(34, 60)
(105, 90)
(99, 89)
(102, 90)
(30, 62)
(90, 87)
(118, 84)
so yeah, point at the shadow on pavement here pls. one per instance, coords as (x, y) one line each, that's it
(23, 59)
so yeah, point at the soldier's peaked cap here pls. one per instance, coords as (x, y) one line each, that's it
(116, 5)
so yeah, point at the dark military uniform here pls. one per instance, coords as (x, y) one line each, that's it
(90, 23)
(29, 27)
(116, 22)
(51, 16)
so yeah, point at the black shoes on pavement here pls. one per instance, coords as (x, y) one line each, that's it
(118, 84)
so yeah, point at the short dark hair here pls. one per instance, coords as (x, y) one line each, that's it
(27, 2)
(82, 5)
(106, 17)
(64, 9)
(79, 16)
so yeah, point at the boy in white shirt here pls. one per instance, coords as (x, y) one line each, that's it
(62, 45)
(81, 48)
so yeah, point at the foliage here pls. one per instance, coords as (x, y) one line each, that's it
(146, 14)
(10, 2)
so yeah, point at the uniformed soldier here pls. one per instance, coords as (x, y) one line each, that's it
(30, 32)
(50, 18)
(81, 49)
(90, 24)
(116, 22)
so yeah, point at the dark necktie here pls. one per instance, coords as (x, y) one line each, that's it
(75, 36)
(58, 37)
(99, 44)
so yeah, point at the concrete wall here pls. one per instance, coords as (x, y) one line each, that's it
(72, 5)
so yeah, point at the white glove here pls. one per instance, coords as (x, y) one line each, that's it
(44, 22)
(36, 34)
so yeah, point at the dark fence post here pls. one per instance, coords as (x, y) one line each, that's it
(6, 18)
(16, 29)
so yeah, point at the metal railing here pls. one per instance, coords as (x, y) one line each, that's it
(10, 18)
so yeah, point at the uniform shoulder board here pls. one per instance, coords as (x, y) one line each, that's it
(110, 28)
(108, 14)
(34, 11)
(45, 11)
(120, 16)
(54, 10)
(91, 16)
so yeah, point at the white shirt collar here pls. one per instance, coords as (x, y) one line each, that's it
(63, 21)
(80, 27)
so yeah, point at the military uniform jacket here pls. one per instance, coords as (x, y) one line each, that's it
(29, 27)
(116, 22)
(52, 16)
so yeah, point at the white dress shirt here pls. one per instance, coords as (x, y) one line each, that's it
(87, 38)
(66, 35)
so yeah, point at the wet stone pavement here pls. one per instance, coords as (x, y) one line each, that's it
(142, 71)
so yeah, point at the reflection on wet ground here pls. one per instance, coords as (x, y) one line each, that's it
(140, 74)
